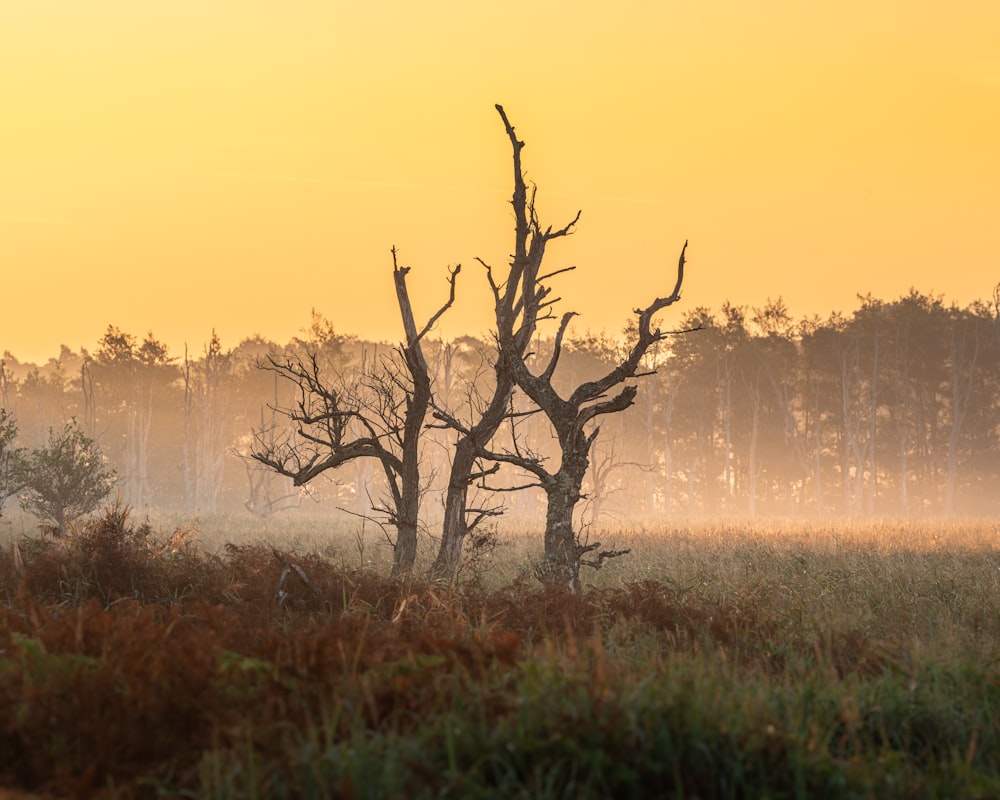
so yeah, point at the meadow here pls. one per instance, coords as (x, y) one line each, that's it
(234, 658)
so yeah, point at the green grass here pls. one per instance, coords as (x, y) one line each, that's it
(722, 660)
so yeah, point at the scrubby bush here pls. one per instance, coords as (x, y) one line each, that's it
(108, 559)
(66, 479)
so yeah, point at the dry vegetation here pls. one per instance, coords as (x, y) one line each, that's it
(724, 660)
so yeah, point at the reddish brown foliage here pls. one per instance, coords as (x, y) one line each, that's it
(118, 661)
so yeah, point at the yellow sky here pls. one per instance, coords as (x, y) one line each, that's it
(188, 164)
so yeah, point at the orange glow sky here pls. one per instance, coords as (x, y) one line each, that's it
(191, 164)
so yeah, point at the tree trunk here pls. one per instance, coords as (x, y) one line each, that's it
(454, 526)
(467, 450)
(561, 566)
(418, 401)
(562, 554)
(408, 509)
(405, 552)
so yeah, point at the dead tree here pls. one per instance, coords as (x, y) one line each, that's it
(573, 417)
(520, 318)
(489, 410)
(379, 416)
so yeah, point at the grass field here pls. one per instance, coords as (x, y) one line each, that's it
(716, 660)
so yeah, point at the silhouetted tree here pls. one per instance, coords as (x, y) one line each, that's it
(517, 319)
(381, 416)
(571, 416)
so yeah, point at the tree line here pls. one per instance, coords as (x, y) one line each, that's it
(893, 410)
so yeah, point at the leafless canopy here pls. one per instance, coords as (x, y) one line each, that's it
(379, 414)
(524, 300)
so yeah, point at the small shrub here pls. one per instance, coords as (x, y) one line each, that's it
(66, 479)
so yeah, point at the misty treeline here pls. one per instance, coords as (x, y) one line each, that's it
(892, 410)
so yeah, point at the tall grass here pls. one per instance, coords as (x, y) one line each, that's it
(717, 660)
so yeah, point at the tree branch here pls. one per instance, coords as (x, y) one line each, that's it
(557, 346)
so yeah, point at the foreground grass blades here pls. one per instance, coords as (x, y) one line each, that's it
(128, 669)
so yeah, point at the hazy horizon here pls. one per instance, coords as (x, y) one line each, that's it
(579, 328)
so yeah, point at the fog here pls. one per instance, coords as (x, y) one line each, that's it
(893, 411)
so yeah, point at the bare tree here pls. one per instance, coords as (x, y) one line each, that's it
(489, 410)
(522, 301)
(381, 415)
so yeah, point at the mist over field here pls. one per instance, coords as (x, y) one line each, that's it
(892, 411)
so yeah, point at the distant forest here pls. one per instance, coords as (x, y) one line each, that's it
(891, 411)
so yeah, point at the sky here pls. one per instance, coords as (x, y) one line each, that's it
(188, 165)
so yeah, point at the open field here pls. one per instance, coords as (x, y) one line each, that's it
(716, 660)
